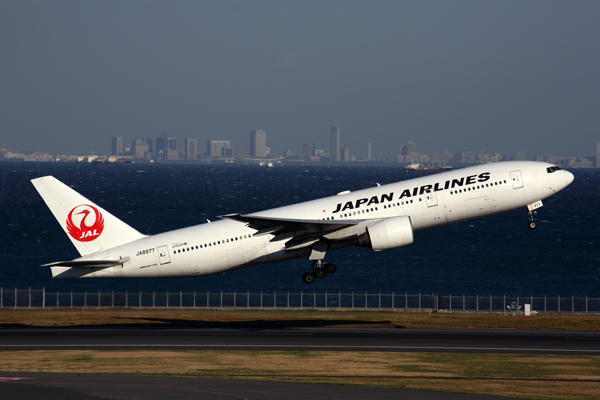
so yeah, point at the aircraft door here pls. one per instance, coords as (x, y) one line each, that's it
(516, 178)
(431, 199)
(163, 255)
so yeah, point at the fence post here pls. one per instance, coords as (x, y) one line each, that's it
(15, 297)
(339, 299)
(248, 299)
(301, 299)
(261, 299)
(234, 299)
(153, 299)
(126, 299)
(29, 298)
(57, 296)
(366, 300)
(167, 299)
(490, 302)
(221, 299)
(314, 299)
(71, 299)
(288, 300)
(419, 300)
(477, 301)
(504, 304)
(140, 299)
(544, 303)
(194, 301)
(559, 303)
(392, 300)
(463, 302)
(112, 300)
(406, 300)
(1, 297)
(326, 299)
(531, 303)
(43, 297)
(586, 307)
(450, 303)
(99, 297)
(275, 299)
(380, 300)
(84, 299)
(180, 298)
(352, 299)
(207, 301)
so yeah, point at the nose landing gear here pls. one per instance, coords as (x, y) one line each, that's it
(532, 224)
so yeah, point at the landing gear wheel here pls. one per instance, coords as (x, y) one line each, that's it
(307, 277)
(532, 225)
(319, 273)
(330, 268)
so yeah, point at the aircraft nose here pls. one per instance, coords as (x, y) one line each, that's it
(569, 177)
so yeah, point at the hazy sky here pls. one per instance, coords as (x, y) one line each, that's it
(449, 75)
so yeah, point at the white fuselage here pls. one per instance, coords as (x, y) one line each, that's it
(429, 201)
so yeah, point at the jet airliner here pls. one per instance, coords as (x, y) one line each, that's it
(379, 218)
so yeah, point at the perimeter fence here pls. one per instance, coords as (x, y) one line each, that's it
(15, 298)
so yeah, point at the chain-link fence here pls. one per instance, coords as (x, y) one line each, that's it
(15, 298)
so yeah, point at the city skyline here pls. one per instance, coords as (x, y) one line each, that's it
(493, 76)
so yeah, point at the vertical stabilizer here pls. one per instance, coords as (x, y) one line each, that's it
(90, 227)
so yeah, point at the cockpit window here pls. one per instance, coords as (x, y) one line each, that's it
(552, 169)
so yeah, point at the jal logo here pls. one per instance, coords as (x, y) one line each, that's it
(85, 223)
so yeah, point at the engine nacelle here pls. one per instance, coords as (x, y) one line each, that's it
(388, 234)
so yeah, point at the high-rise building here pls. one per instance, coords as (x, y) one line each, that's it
(598, 155)
(308, 151)
(139, 148)
(258, 144)
(218, 148)
(334, 144)
(164, 142)
(191, 149)
(150, 142)
(407, 149)
(520, 156)
(117, 146)
(346, 154)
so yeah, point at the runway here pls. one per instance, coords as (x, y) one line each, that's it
(302, 339)
(95, 387)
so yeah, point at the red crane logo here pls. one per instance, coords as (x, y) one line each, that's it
(85, 223)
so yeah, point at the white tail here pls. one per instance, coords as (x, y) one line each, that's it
(90, 228)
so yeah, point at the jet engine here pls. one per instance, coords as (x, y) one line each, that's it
(388, 234)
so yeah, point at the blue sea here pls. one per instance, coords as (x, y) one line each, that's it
(494, 255)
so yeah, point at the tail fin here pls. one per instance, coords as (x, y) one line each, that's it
(90, 228)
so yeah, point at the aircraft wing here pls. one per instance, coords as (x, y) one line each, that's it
(293, 227)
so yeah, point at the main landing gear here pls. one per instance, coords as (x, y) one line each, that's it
(319, 271)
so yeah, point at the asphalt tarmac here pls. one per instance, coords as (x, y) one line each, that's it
(302, 339)
(90, 387)
(94, 387)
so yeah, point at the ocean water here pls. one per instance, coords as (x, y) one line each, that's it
(494, 255)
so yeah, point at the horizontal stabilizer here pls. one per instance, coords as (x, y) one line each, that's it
(88, 263)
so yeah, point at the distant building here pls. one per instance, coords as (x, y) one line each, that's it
(164, 142)
(116, 146)
(598, 155)
(219, 148)
(191, 149)
(139, 148)
(308, 151)
(346, 155)
(150, 142)
(258, 144)
(334, 144)
(520, 156)
(407, 148)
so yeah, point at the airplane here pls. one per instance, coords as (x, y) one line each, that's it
(378, 218)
